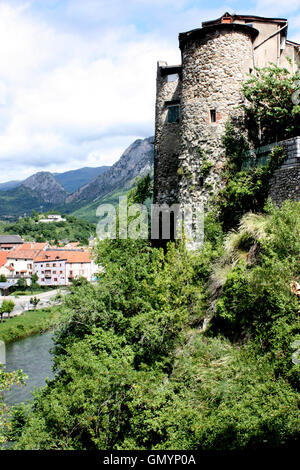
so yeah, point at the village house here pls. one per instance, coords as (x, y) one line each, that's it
(60, 267)
(9, 242)
(4, 270)
(52, 218)
(20, 261)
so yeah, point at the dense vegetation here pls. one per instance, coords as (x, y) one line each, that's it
(246, 189)
(134, 371)
(183, 350)
(72, 230)
(272, 113)
(22, 201)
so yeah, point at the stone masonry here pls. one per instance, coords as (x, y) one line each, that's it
(215, 61)
(196, 98)
(285, 183)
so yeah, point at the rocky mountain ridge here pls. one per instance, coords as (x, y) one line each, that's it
(137, 160)
(43, 190)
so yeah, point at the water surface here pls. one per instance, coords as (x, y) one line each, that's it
(32, 355)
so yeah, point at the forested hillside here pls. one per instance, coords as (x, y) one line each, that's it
(73, 229)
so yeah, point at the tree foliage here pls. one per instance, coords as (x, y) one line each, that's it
(271, 111)
(7, 380)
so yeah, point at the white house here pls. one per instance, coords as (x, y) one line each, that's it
(60, 267)
(20, 261)
(52, 218)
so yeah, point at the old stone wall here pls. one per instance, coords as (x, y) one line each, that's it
(285, 183)
(167, 136)
(215, 62)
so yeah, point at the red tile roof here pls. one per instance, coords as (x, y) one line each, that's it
(31, 246)
(3, 258)
(63, 255)
(22, 254)
(27, 251)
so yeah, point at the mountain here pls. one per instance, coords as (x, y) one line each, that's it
(19, 201)
(46, 186)
(45, 191)
(70, 180)
(9, 185)
(137, 160)
(74, 179)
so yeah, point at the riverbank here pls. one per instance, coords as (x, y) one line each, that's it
(29, 323)
(46, 299)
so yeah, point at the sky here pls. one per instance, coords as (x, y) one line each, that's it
(77, 77)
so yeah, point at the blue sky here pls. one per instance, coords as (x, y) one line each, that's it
(77, 77)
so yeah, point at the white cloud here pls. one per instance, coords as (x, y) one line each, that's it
(59, 89)
(77, 77)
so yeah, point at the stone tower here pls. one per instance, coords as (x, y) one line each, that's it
(195, 100)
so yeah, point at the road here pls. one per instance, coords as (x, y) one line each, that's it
(22, 303)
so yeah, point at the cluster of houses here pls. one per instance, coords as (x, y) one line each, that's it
(54, 266)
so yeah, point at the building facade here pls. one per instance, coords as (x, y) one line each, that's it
(195, 99)
(9, 242)
(60, 267)
(20, 261)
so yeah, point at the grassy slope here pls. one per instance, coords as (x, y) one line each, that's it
(19, 201)
(88, 212)
(29, 323)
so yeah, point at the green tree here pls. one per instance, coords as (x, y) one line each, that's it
(142, 191)
(34, 281)
(6, 307)
(34, 302)
(22, 284)
(7, 379)
(270, 110)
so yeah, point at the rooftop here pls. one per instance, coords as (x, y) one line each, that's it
(3, 255)
(63, 255)
(10, 239)
(228, 18)
(201, 32)
(20, 253)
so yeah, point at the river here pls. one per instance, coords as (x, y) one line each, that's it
(32, 355)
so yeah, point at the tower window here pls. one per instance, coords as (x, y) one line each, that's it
(173, 113)
(173, 77)
(213, 116)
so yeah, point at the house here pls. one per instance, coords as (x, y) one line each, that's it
(20, 261)
(50, 266)
(59, 267)
(52, 218)
(3, 260)
(9, 242)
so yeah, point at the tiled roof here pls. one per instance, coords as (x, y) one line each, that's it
(3, 257)
(32, 246)
(26, 251)
(67, 255)
(10, 239)
(22, 254)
